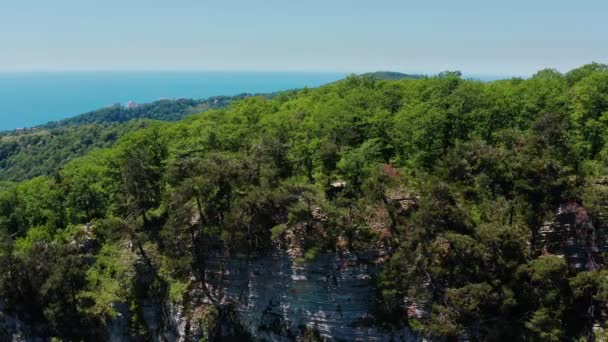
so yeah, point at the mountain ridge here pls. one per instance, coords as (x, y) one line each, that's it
(392, 75)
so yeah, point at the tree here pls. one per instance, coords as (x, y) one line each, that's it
(142, 164)
(87, 186)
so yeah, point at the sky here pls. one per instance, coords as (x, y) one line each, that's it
(502, 37)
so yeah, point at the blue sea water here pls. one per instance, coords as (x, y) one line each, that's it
(29, 99)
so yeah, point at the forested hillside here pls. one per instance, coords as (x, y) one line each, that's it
(448, 180)
(32, 153)
(41, 150)
(165, 110)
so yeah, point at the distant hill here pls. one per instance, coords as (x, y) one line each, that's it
(392, 75)
(165, 110)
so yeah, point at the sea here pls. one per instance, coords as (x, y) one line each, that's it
(32, 98)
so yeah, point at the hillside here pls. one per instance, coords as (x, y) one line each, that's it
(165, 110)
(41, 150)
(365, 209)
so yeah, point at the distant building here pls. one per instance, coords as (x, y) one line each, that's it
(131, 105)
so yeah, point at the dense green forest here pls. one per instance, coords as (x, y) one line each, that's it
(482, 165)
(42, 150)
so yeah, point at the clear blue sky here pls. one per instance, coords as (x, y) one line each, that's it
(512, 37)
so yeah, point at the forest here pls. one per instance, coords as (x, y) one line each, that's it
(450, 180)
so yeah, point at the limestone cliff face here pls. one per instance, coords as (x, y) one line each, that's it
(273, 298)
(270, 298)
(332, 296)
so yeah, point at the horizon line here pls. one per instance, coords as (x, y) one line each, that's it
(465, 74)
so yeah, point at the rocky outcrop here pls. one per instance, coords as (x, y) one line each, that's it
(581, 238)
(575, 236)
(278, 299)
(406, 202)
